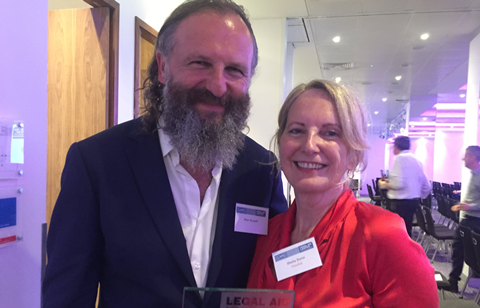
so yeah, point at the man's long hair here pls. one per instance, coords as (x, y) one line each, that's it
(153, 89)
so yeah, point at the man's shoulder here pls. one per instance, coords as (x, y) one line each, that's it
(126, 129)
(254, 149)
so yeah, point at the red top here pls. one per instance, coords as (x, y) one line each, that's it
(368, 260)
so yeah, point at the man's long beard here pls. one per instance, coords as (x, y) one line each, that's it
(202, 141)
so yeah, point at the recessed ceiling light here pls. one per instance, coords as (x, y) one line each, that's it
(398, 77)
(424, 119)
(338, 79)
(376, 112)
(384, 99)
(412, 126)
(424, 36)
(368, 124)
(462, 95)
(336, 39)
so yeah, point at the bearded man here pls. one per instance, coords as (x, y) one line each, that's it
(151, 206)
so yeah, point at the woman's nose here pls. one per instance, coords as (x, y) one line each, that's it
(311, 144)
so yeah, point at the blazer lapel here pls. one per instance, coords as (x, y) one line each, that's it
(148, 166)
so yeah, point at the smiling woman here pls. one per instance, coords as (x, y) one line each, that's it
(322, 139)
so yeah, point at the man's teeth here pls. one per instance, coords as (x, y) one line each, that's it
(310, 165)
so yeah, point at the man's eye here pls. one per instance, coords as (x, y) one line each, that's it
(235, 70)
(200, 63)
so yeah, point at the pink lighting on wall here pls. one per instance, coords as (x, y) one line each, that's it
(464, 87)
(429, 113)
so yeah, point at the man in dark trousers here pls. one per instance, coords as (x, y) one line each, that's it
(469, 209)
(151, 206)
(406, 183)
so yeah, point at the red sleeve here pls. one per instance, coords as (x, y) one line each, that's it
(400, 272)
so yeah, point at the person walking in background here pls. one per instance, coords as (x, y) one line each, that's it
(148, 207)
(407, 182)
(469, 209)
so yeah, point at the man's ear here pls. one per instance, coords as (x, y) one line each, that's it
(161, 62)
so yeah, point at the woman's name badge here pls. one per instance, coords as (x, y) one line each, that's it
(296, 259)
(251, 219)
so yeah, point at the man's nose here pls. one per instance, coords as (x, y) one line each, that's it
(216, 82)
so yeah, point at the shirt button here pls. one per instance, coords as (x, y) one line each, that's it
(196, 266)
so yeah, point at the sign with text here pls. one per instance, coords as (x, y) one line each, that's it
(242, 298)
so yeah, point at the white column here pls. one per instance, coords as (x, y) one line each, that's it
(471, 110)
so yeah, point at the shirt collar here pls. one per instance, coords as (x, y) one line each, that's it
(476, 171)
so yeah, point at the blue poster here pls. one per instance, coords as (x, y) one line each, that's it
(8, 212)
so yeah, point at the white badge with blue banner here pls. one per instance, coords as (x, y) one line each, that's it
(251, 219)
(296, 259)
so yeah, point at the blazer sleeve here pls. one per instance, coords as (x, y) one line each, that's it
(74, 240)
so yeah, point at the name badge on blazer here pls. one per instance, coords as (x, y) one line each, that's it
(296, 259)
(251, 219)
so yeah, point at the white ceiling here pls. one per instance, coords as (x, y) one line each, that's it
(382, 39)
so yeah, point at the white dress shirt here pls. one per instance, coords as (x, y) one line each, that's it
(407, 179)
(198, 221)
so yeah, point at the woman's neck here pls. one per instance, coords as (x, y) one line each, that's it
(311, 208)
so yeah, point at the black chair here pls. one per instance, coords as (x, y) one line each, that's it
(442, 283)
(375, 187)
(386, 204)
(476, 249)
(469, 254)
(377, 200)
(422, 225)
(439, 232)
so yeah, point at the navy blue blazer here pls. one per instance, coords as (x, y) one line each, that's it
(115, 223)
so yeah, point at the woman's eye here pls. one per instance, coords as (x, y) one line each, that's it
(295, 131)
(332, 133)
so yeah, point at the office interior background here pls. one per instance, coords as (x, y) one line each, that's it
(426, 87)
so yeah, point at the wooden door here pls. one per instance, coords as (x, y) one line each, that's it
(78, 79)
(145, 40)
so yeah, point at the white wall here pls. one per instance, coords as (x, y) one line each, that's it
(423, 149)
(306, 67)
(154, 13)
(266, 90)
(375, 157)
(447, 161)
(23, 96)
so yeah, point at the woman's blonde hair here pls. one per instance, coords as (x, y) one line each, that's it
(351, 115)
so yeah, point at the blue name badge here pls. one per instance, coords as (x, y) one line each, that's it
(251, 219)
(296, 259)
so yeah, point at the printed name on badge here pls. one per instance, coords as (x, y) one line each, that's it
(296, 259)
(251, 219)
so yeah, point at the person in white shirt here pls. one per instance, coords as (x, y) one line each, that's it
(406, 183)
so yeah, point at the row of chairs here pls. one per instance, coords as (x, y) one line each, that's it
(432, 231)
(471, 251)
(445, 209)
